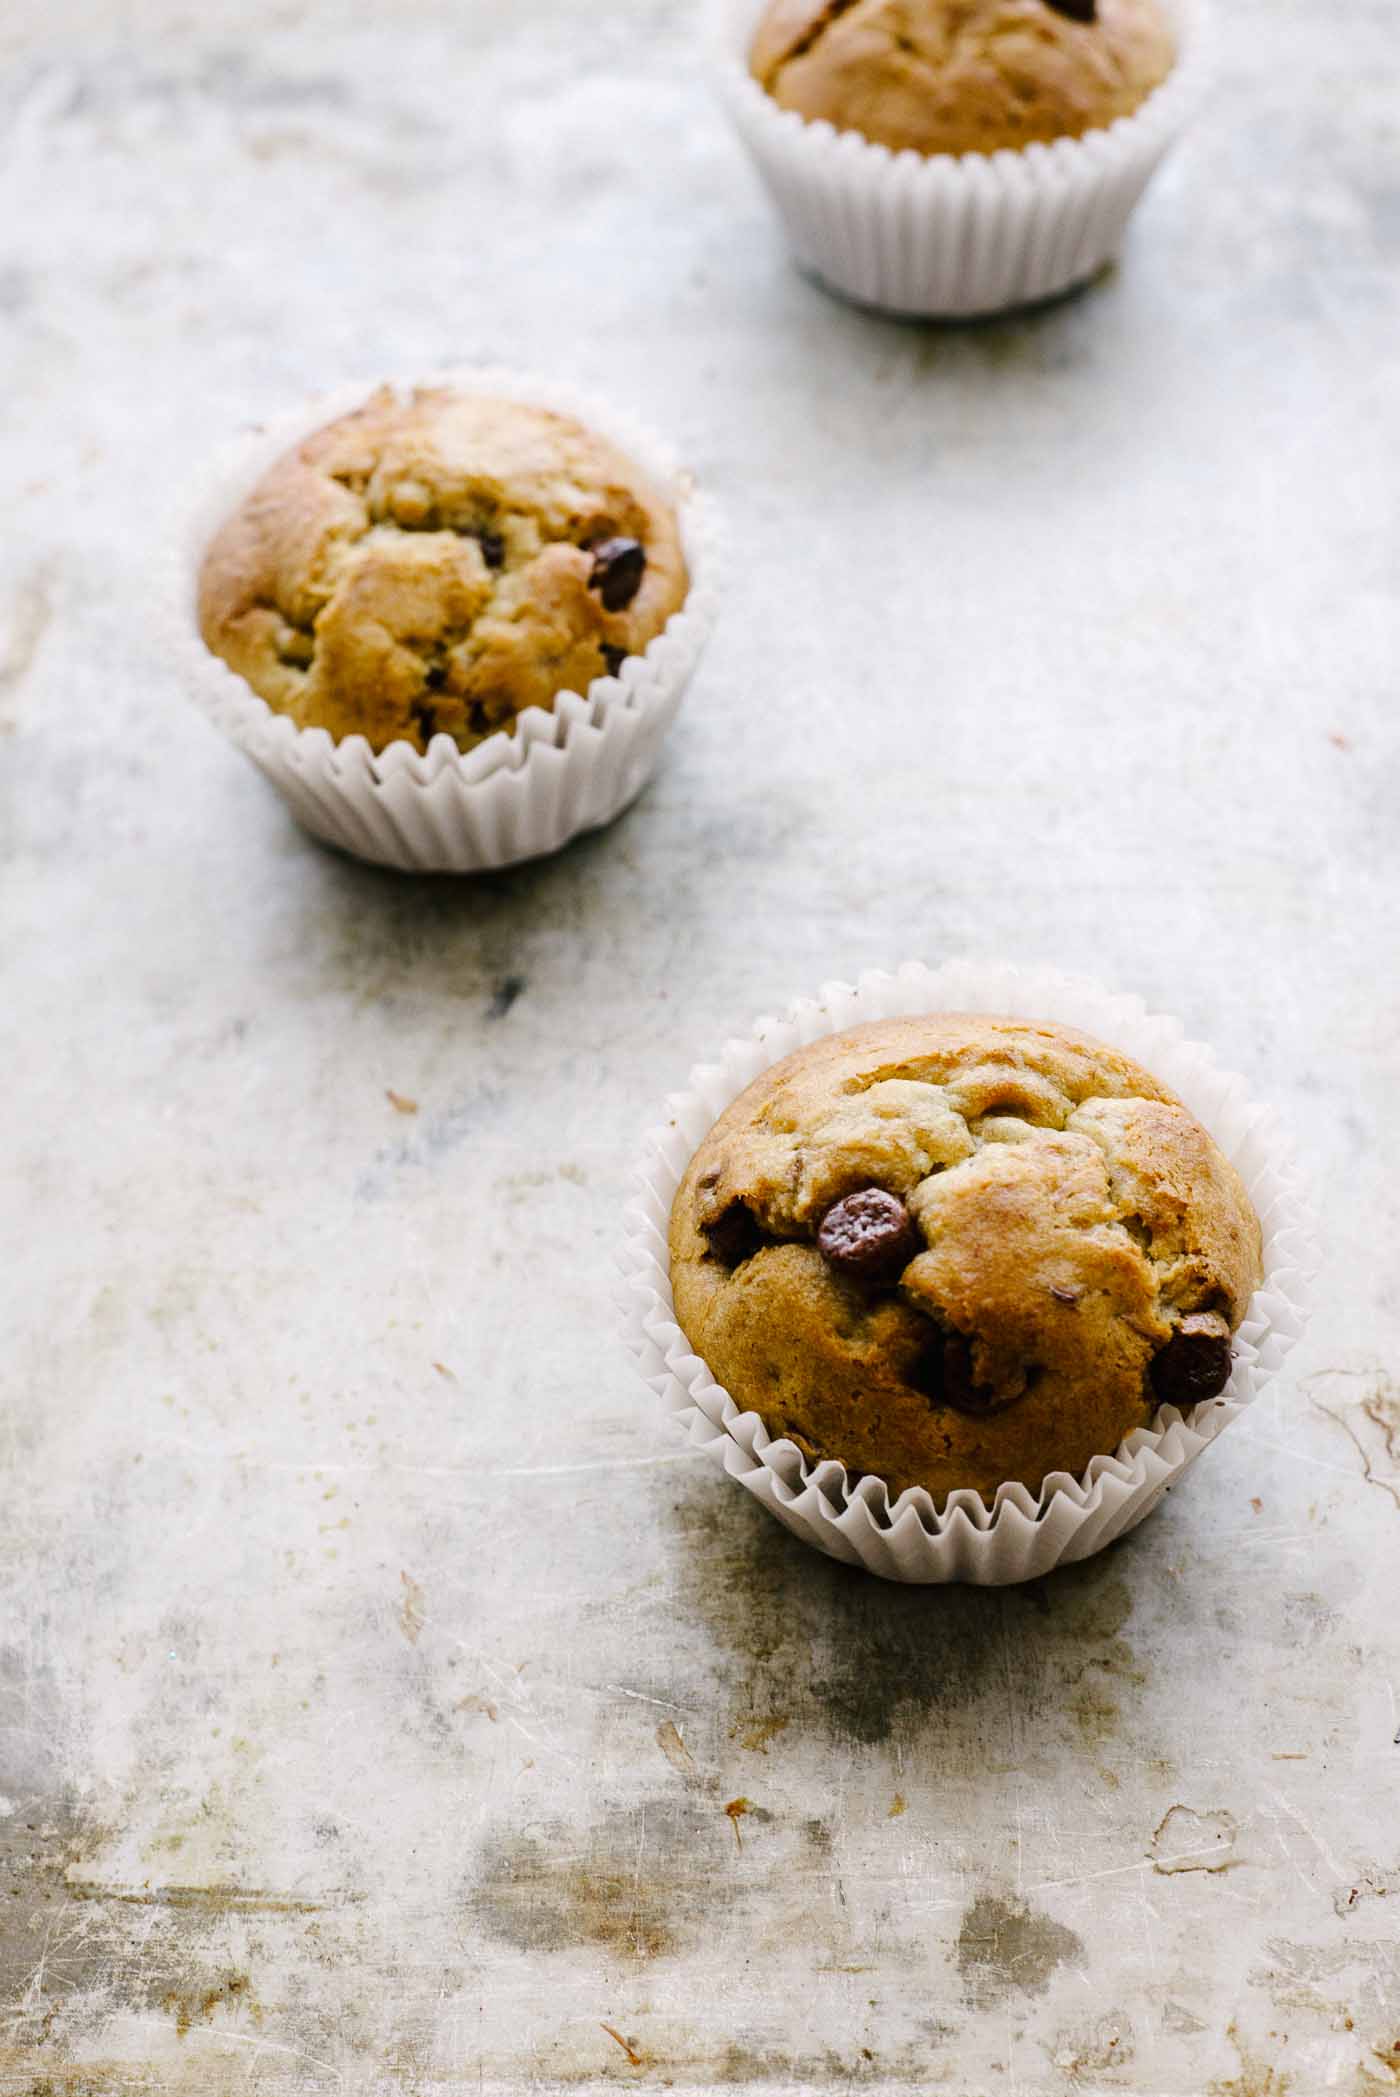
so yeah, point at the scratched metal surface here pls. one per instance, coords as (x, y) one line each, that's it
(378, 1683)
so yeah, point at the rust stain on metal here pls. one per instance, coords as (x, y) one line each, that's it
(1093, 2049)
(481, 1704)
(1371, 1885)
(199, 2007)
(754, 1738)
(736, 1809)
(1187, 1840)
(412, 1609)
(559, 1885)
(668, 1739)
(233, 1900)
(1095, 1713)
(1257, 2077)
(636, 2060)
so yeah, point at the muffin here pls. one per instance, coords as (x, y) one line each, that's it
(956, 1251)
(948, 158)
(962, 76)
(436, 562)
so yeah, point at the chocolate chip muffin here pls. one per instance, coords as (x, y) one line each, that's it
(963, 76)
(956, 1251)
(437, 562)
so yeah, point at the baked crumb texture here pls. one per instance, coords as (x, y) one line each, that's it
(957, 1251)
(961, 76)
(437, 563)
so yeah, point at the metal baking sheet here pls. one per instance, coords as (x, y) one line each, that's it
(387, 1703)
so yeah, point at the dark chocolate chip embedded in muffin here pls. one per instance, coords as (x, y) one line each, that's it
(870, 1235)
(617, 571)
(437, 562)
(956, 1251)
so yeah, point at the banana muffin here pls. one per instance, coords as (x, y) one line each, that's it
(956, 1251)
(436, 562)
(963, 76)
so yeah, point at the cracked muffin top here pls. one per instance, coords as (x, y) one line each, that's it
(956, 1251)
(437, 562)
(963, 76)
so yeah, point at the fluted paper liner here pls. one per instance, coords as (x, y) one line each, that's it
(1021, 1534)
(952, 235)
(516, 796)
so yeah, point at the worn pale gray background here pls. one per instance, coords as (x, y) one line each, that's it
(347, 1577)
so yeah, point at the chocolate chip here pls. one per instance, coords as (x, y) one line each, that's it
(943, 1373)
(618, 568)
(1077, 10)
(869, 1235)
(614, 658)
(493, 548)
(734, 1236)
(1195, 1363)
(960, 1390)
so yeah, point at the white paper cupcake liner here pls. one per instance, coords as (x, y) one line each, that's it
(516, 796)
(952, 235)
(1022, 1534)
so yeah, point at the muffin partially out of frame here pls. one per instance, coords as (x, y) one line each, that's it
(962, 76)
(437, 562)
(954, 1251)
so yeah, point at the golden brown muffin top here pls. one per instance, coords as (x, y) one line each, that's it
(954, 1251)
(437, 563)
(963, 76)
